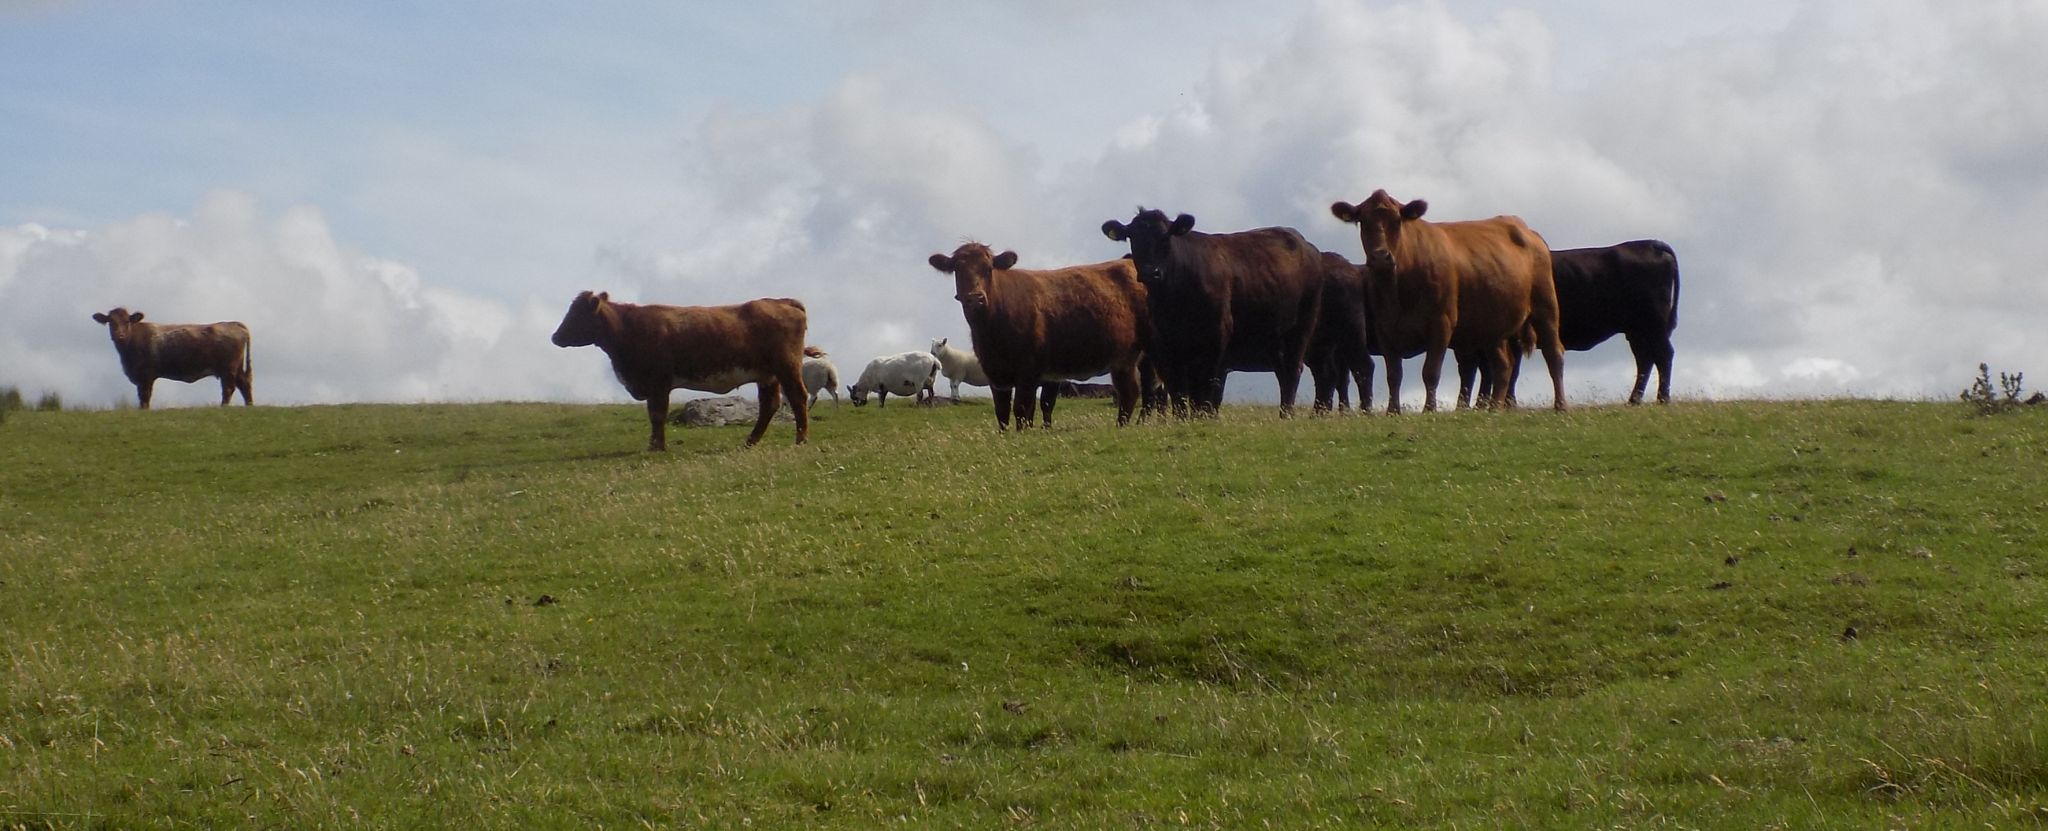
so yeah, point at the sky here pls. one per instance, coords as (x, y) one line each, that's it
(400, 200)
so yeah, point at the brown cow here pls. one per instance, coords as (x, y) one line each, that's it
(1064, 324)
(656, 349)
(1464, 286)
(181, 352)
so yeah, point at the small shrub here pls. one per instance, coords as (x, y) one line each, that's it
(1988, 401)
(50, 402)
(10, 399)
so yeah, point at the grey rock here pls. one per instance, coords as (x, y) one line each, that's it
(722, 411)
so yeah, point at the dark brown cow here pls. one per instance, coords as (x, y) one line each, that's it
(1343, 346)
(1464, 286)
(1244, 300)
(181, 352)
(1031, 327)
(656, 349)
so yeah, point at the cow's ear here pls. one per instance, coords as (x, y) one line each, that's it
(1114, 230)
(134, 317)
(942, 263)
(1344, 211)
(1181, 225)
(1414, 210)
(99, 318)
(1006, 260)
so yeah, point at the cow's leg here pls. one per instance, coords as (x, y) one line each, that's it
(1653, 351)
(1514, 357)
(1553, 358)
(1148, 396)
(1294, 356)
(1497, 387)
(803, 413)
(1208, 389)
(771, 400)
(1002, 396)
(1393, 362)
(1642, 349)
(227, 388)
(1432, 371)
(1468, 366)
(1047, 396)
(243, 382)
(657, 421)
(143, 389)
(1025, 403)
(1126, 381)
(1664, 353)
(1320, 375)
(1360, 363)
(881, 399)
(1289, 375)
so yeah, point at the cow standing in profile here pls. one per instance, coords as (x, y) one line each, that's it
(1629, 289)
(1472, 287)
(658, 349)
(1030, 327)
(1218, 302)
(181, 352)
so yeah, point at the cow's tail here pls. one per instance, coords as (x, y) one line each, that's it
(1672, 323)
(813, 352)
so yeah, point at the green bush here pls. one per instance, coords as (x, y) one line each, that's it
(50, 402)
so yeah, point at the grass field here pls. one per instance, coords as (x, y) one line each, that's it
(1728, 615)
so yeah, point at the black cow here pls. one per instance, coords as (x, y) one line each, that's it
(1629, 289)
(1223, 301)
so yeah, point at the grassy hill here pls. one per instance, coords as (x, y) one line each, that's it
(1736, 615)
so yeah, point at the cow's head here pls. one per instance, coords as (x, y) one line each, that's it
(584, 322)
(120, 324)
(858, 395)
(1151, 237)
(1379, 220)
(973, 267)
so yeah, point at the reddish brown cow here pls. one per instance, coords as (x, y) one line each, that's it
(656, 349)
(181, 352)
(1066, 324)
(1464, 286)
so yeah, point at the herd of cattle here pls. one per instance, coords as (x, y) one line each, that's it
(1167, 322)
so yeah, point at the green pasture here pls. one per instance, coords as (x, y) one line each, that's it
(1707, 615)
